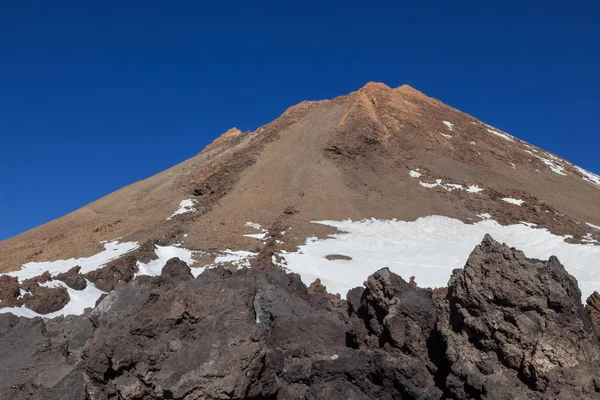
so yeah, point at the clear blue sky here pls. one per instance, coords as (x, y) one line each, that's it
(95, 95)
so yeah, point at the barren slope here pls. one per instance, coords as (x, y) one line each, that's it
(350, 157)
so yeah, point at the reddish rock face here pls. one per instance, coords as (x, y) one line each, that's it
(45, 300)
(73, 278)
(349, 157)
(9, 291)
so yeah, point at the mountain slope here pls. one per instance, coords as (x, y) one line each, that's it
(350, 157)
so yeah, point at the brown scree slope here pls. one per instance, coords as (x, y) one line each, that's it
(348, 157)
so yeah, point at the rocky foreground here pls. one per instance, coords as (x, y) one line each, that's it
(506, 327)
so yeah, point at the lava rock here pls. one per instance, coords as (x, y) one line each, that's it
(45, 300)
(72, 278)
(9, 291)
(177, 269)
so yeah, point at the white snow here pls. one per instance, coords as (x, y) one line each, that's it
(448, 186)
(429, 185)
(588, 176)
(261, 235)
(555, 166)
(516, 202)
(589, 239)
(502, 135)
(446, 136)
(240, 258)
(82, 299)
(449, 125)
(438, 182)
(512, 165)
(79, 301)
(112, 251)
(593, 226)
(473, 143)
(474, 189)
(164, 254)
(428, 249)
(186, 206)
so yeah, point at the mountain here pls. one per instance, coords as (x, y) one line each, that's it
(334, 191)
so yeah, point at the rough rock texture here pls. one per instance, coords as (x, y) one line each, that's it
(73, 279)
(345, 158)
(9, 291)
(45, 300)
(593, 307)
(507, 327)
(509, 321)
(32, 283)
(120, 271)
(177, 269)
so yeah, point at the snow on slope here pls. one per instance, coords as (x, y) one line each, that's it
(428, 249)
(186, 206)
(82, 299)
(112, 251)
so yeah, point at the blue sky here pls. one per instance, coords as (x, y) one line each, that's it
(95, 95)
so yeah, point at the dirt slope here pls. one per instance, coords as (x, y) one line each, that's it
(349, 157)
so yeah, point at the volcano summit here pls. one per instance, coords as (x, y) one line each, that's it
(239, 273)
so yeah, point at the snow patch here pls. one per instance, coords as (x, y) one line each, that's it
(474, 189)
(429, 249)
(239, 258)
(500, 134)
(112, 251)
(588, 176)
(263, 232)
(446, 136)
(448, 186)
(516, 202)
(82, 299)
(186, 206)
(79, 301)
(555, 165)
(593, 226)
(449, 125)
(164, 254)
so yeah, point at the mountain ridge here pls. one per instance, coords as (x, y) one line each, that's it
(346, 157)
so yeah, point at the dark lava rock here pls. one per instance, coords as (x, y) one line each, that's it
(32, 283)
(44, 300)
(177, 269)
(9, 291)
(73, 278)
(507, 327)
(114, 274)
(120, 271)
(593, 307)
(515, 328)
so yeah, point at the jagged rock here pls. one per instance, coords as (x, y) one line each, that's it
(593, 307)
(9, 291)
(114, 274)
(73, 279)
(45, 300)
(507, 327)
(318, 287)
(518, 323)
(120, 271)
(177, 269)
(32, 283)
(266, 256)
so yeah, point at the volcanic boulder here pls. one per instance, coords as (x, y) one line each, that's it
(72, 278)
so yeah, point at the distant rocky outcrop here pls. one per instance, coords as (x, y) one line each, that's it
(506, 327)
